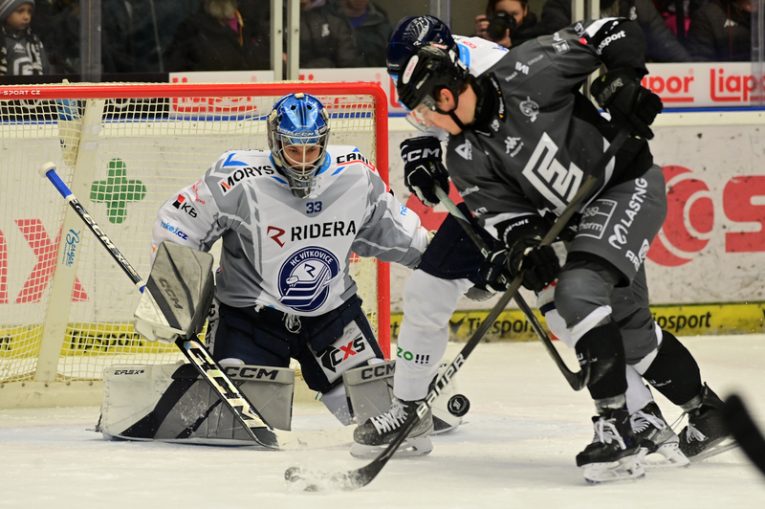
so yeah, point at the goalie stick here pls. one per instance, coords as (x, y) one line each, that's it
(577, 380)
(360, 477)
(191, 347)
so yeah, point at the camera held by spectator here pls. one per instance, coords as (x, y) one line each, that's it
(507, 22)
(499, 23)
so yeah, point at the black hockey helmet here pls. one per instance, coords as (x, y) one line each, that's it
(412, 33)
(431, 69)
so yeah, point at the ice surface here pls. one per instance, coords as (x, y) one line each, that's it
(516, 450)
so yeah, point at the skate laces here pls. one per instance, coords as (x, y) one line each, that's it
(606, 432)
(391, 419)
(641, 420)
(693, 433)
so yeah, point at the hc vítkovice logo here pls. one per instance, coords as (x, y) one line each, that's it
(304, 278)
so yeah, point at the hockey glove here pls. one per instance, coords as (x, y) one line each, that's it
(630, 104)
(423, 169)
(494, 271)
(539, 264)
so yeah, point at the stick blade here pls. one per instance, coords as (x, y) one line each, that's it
(301, 479)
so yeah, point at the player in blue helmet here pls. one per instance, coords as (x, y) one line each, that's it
(298, 135)
(411, 34)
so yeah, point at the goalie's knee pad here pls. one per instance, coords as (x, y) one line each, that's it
(172, 403)
(369, 389)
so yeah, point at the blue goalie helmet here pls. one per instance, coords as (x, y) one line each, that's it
(298, 134)
(411, 34)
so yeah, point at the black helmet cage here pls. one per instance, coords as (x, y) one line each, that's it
(431, 69)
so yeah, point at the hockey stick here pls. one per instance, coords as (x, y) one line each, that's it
(360, 477)
(577, 380)
(745, 431)
(191, 347)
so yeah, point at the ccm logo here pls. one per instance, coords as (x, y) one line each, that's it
(425, 153)
(378, 371)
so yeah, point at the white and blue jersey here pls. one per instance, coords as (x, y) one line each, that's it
(285, 252)
(478, 54)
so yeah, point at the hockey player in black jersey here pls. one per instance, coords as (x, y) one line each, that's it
(452, 266)
(522, 140)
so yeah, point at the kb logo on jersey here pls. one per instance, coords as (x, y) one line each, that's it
(305, 277)
(181, 204)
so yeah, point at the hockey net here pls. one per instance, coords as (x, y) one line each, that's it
(65, 307)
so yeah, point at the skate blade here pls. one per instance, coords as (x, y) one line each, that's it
(626, 468)
(411, 447)
(725, 444)
(667, 455)
(441, 426)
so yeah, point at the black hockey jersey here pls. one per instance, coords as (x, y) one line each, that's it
(543, 138)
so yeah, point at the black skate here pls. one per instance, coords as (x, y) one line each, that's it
(374, 434)
(656, 438)
(614, 452)
(705, 434)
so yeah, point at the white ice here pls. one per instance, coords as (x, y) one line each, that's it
(516, 450)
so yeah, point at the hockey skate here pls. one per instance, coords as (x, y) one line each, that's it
(705, 435)
(659, 444)
(374, 434)
(613, 454)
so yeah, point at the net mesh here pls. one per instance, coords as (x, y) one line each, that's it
(123, 157)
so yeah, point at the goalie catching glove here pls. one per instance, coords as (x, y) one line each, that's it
(630, 104)
(522, 252)
(423, 169)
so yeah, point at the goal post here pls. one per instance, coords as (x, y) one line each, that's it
(65, 307)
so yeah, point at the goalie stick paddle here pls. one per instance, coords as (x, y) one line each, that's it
(191, 347)
(359, 477)
(577, 380)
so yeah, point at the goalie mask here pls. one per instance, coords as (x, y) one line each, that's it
(411, 34)
(298, 134)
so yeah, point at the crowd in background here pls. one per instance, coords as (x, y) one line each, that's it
(146, 36)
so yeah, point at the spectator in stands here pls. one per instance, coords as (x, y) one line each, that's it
(57, 23)
(721, 31)
(507, 22)
(661, 44)
(21, 53)
(136, 33)
(677, 15)
(371, 29)
(326, 38)
(216, 38)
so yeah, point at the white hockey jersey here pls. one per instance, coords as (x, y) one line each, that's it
(285, 252)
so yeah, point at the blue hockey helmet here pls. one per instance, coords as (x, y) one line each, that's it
(410, 35)
(298, 134)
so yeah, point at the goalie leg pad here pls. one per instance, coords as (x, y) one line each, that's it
(131, 396)
(336, 342)
(171, 403)
(369, 389)
(270, 389)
